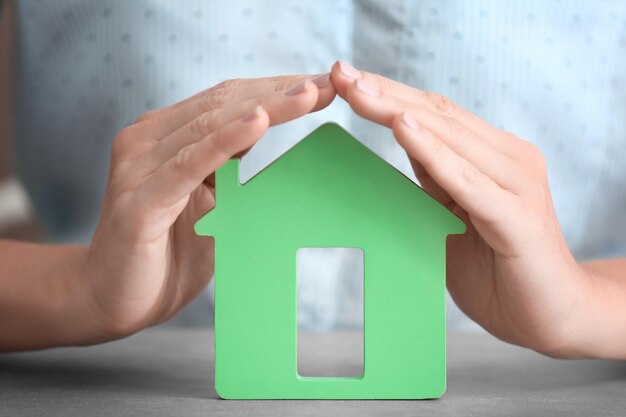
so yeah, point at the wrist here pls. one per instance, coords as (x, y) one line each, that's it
(569, 334)
(81, 323)
(604, 322)
(104, 324)
(596, 320)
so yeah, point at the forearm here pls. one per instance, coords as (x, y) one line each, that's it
(605, 321)
(44, 301)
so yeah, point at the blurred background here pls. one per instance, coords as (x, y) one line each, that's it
(16, 218)
(75, 72)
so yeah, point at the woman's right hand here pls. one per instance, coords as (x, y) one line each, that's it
(145, 262)
(512, 271)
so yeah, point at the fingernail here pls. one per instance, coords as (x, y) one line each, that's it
(252, 114)
(349, 71)
(322, 81)
(409, 121)
(297, 89)
(364, 88)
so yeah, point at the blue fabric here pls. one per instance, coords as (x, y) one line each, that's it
(553, 73)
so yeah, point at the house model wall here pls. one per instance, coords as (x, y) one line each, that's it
(328, 191)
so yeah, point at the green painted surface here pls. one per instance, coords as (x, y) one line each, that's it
(328, 191)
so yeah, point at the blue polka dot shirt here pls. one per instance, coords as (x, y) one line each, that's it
(551, 72)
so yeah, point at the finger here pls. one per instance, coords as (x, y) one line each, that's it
(382, 107)
(195, 261)
(167, 120)
(184, 172)
(230, 84)
(343, 75)
(280, 106)
(241, 90)
(471, 189)
(234, 83)
(506, 171)
(430, 185)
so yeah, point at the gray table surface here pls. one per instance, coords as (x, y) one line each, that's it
(169, 372)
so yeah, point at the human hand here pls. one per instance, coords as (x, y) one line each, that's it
(145, 262)
(512, 272)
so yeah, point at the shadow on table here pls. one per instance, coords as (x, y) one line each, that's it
(28, 373)
(501, 367)
(148, 364)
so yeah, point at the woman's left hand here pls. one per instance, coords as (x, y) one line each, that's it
(512, 272)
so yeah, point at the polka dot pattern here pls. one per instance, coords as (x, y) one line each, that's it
(550, 72)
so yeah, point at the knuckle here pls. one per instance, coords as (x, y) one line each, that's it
(441, 103)
(218, 99)
(204, 104)
(120, 168)
(233, 83)
(469, 173)
(182, 161)
(149, 115)
(123, 202)
(458, 132)
(202, 125)
(536, 157)
(122, 180)
(384, 84)
(284, 82)
(120, 143)
(467, 181)
(228, 84)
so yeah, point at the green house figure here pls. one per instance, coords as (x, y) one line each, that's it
(328, 191)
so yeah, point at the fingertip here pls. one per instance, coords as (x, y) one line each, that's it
(263, 123)
(264, 117)
(343, 75)
(311, 99)
(360, 89)
(260, 111)
(396, 123)
(256, 119)
(253, 114)
(407, 121)
(404, 126)
(359, 101)
(305, 95)
(322, 81)
(255, 124)
(311, 89)
(326, 91)
(335, 77)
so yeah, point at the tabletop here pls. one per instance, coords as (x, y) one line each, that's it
(169, 372)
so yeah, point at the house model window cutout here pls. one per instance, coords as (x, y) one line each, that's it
(328, 191)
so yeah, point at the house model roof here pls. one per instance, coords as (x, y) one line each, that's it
(329, 171)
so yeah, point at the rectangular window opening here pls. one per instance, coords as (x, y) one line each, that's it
(329, 299)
